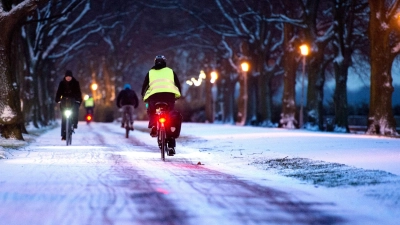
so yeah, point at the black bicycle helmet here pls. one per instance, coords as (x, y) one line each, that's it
(160, 59)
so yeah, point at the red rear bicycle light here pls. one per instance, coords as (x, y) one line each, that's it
(88, 117)
(162, 120)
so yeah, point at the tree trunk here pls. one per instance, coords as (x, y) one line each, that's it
(340, 97)
(315, 69)
(341, 64)
(228, 102)
(380, 118)
(315, 92)
(288, 119)
(9, 115)
(10, 118)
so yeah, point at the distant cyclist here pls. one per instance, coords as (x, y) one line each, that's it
(128, 101)
(89, 104)
(69, 90)
(161, 84)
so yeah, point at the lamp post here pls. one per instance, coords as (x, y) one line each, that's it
(245, 68)
(213, 79)
(94, 87)
(304, 50)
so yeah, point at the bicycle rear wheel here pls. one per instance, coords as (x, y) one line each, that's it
(127, 131)
(163, 144)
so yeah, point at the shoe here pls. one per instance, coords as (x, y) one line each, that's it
(122, 125)
(171, 143)
(63, 138)
(153, 132)
(171, 152)
(131, 126)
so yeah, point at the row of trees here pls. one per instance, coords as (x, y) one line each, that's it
(338, 31)
(111, 43)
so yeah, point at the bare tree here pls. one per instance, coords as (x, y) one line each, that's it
(56, 33)
(10, 20)
(350, 31)
(288, 119)
(262, 43)
(384, 38)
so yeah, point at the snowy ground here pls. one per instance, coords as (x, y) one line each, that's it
(358, 173)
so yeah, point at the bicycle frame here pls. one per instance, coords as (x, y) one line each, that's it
(128, 121)
(68, 111)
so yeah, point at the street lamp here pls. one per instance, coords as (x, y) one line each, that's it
(94, 87)
(213, 79)
(304, 50)
(245, 68)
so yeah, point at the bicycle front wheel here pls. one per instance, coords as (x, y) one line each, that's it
(68, 131)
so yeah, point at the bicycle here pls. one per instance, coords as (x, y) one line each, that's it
(69, 125)
(89, 116)
(128, 122)
(162, 110)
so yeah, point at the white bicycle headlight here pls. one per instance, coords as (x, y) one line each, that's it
(68, 113)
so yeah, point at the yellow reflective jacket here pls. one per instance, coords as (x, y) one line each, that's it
(161, 81)
(89, 102)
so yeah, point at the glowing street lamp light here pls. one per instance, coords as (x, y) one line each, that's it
(304, 50)
(94, 86)
(214, 76)
(245, 68)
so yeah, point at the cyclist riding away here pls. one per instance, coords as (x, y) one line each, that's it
(89, 104)
(161, 84)
(69, 90)
(128, 101)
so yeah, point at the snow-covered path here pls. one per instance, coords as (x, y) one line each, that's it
(104, 178)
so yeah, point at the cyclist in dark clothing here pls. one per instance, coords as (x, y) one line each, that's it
(69, 90)
(128, 101)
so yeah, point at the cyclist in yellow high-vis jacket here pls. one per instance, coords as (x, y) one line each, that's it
(161, 84)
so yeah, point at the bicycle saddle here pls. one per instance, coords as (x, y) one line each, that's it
(162, 105)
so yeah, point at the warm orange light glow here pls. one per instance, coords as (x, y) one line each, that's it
(304, 49)
(214, 77)
(162, 120)
(89, 117)
(94, 86)
(245, 66)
